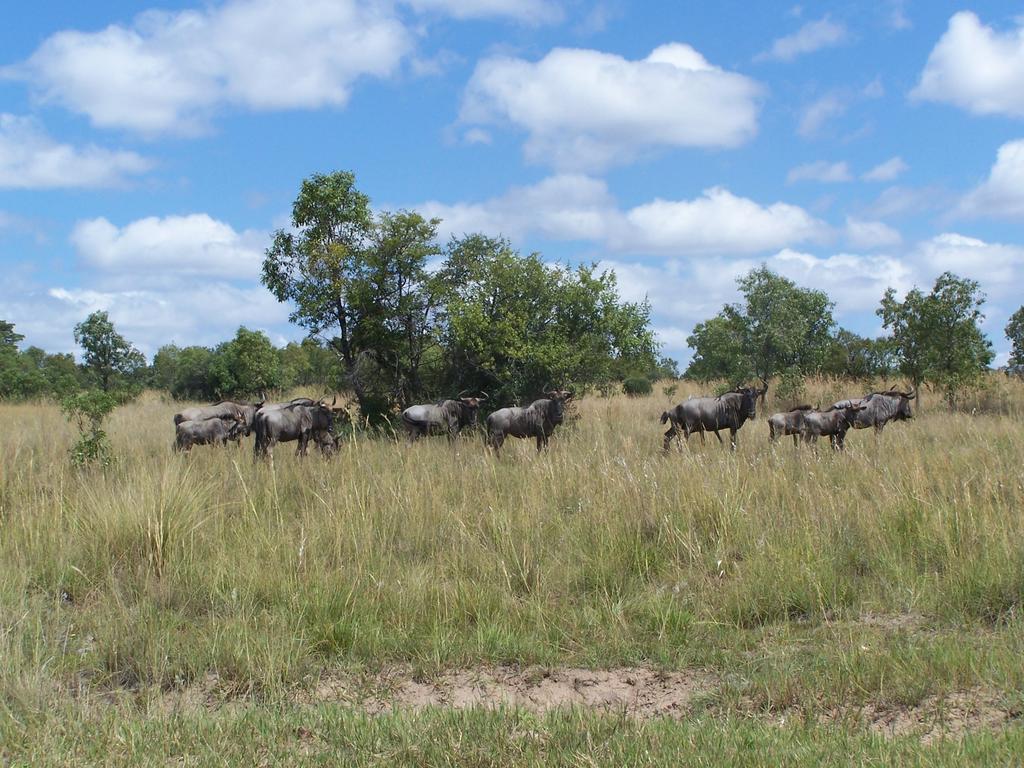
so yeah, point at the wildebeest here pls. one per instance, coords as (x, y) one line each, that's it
(225, 409)
(207, 432)
(285, 422)
(711, 414)
(881, 408)
(448, 415)
(833, 423)
(787, 423)
(538, 420)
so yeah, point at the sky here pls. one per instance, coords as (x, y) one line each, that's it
(147, 154)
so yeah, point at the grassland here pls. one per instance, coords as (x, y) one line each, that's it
(819, 606)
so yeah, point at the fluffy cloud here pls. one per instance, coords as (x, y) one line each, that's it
(717, 222)
(998, 267)
(870, 234)
(976, 68)
(184, 245)
(586, 109)
(1002, 194)
(529, 11)
(169, 70)
(890, 170)
(820, 171)
(812, 36)
(31, 159)
(575, 207)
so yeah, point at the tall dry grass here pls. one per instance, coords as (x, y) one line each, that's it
(601, 551)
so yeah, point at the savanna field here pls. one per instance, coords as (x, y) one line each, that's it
(601, 603)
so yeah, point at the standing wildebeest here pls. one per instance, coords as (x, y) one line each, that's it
(282, 423)
(225, 409)
(710, 414)
(538, 420)
(787, 423)
(207, 432)
(449, 415)
(832, 423)
(881, 408)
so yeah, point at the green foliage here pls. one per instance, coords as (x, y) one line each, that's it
(108, 356)
(515, 325)
(851, 356)
(670, 390)
(778, 328)
(87, 410)
(245, 366)
(937, 336)
(1015, 333)
(32, 372)
(637, 386)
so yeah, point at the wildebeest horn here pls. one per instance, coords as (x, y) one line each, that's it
(910, 395)
(483, 395)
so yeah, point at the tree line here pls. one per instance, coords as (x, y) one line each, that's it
(397, 317)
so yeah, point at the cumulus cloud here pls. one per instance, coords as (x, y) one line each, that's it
(1002, 194)
(183, 245)
(976, 68)
(585, 109)
(855, 282)
(870, 234)
(890, 170)
(820, 171)
(168, 71)
(998, 267)
(528, 11)
(31, 159)
(812, 36)
(577, 207)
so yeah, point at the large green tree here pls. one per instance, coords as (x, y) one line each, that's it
(937, 336)
(778, 329)
(513, 324)
(245, 366)
(1015, 333)
(359, 282)
(107, 355)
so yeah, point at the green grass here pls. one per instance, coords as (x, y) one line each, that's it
(803, 580)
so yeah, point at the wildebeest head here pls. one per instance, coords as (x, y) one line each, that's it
(469, 409)
(557, 398)
(903, 410)
(749, 395)
(850, 412)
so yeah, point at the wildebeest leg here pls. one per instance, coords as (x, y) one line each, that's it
(796, 440)
(672, 432)
(732, 439)
(720, 440)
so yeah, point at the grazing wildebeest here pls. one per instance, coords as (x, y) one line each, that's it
(207, 432)
(881, 408)
(832, 423)
(538, 420)
(448, 415)
(283, 423)
(222, 410)
(787, 423)
(710, 414)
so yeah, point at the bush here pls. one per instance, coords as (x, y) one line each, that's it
(637, 386)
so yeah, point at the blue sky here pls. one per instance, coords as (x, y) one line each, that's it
(147, 154)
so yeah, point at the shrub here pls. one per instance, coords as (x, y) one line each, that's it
(637, 386)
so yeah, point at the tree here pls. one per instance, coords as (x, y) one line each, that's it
(193, 379)
(513, 324)
(851, 356)
(1015, 333)
(106, 353)
(936, 336)
(245, 366)
(87, 410)
(359, 283)
(778, 329)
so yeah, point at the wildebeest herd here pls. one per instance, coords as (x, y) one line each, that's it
(303, 420)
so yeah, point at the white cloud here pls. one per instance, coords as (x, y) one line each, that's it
(529, 11)
(169, 70)
(890, 170)
(575, 207)
(976, 68)
(182, 245)
(998, 267)
(1002, 194)
(812, 36)
(820, 171)
(716, 222)
(854, 282)
(870, 234)
(31, 159)
(585, 109)
(819, 112)
(899, 201)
